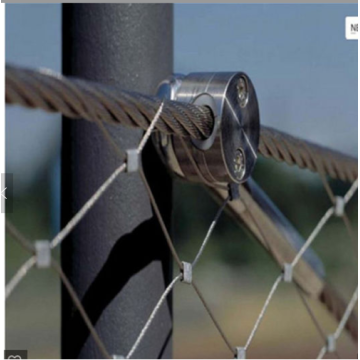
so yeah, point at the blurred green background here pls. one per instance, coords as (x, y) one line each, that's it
(235, 273)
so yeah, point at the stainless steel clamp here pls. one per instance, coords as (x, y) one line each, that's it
(229, 154)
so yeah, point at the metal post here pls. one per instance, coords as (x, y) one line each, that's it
(117, 258)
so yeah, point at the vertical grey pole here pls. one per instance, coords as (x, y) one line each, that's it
(117, 258)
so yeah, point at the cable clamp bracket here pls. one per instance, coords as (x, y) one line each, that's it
(229, 154)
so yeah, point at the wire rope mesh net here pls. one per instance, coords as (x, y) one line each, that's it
(41, 252)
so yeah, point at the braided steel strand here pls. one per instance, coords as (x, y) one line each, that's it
(286, 148)
(76, 98)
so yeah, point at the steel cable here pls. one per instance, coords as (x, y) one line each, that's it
(76, 98)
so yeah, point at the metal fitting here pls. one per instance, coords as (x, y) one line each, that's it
(330, 344)
(288, 273)
(240, 353)
(186, 273)
(234, 191)
(132, 160)
(43, 254)
(229, 154)
(339, 206)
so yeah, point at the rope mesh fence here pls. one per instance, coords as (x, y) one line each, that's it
(40, 253)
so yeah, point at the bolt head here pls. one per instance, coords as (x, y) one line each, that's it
(243, 91)
(239, 164)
